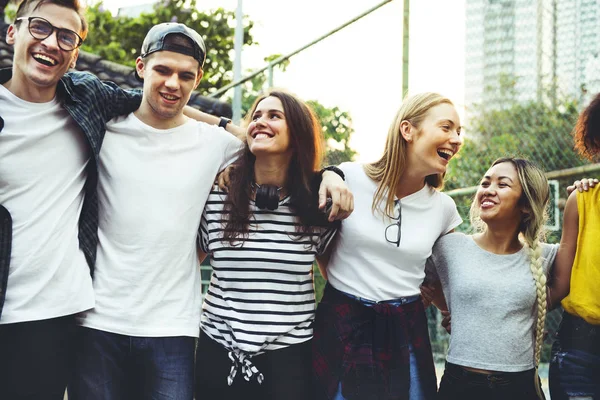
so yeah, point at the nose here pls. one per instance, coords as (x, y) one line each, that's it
(260, 121)
(172, 82)
(489, 191)
(456, 138)
(51, 41)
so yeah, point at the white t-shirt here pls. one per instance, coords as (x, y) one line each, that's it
(43, 158)
(364, 263)
(492, 301)
(153, 185)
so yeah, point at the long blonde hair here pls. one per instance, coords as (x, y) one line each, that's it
(392, 164)
(535, 197)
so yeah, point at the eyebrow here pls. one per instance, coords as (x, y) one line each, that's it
(499, 178)
(268, 111)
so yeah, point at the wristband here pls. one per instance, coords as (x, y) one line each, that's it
(223, 122)
(335, 169)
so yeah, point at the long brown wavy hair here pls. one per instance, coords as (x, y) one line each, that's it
(306, 142)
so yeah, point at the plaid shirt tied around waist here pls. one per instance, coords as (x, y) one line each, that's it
(366, 349)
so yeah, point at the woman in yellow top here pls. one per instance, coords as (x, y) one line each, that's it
(575, 365)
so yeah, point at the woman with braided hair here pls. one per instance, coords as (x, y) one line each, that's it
(495, 285)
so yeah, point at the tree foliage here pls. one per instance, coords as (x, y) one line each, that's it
(337, 130)
(534, 130)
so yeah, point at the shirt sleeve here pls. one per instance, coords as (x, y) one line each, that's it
(453, 218)
(203, 234)
(232, 146)
(327, 235)
(549, 252)
(431, 274)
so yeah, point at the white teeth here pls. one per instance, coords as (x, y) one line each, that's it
(449, 153)
(45, 58)
(487, 203)
(261, 136)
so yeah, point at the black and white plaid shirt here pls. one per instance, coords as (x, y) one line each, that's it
(91, 103)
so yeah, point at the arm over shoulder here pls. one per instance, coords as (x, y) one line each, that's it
(107, 97)
(560, 278)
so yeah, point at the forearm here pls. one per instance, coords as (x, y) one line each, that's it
(198, 115)
(560, 278)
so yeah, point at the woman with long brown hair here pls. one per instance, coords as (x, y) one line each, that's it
(262, 237)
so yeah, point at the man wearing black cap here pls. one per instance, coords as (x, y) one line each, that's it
(155, 173)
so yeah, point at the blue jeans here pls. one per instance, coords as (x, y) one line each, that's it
(36, 358)
(415, 392)
(110, 366)
(575, 364)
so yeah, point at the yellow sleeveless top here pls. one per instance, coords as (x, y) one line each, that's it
(584, 297)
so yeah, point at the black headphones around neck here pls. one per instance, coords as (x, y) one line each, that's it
(267, 196)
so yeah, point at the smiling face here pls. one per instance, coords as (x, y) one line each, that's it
(435, 142)
(169, 79)
(499, 194)
(38, 65)
(267, 133)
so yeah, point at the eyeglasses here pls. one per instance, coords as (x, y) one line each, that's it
(40, 29)
(393, 230)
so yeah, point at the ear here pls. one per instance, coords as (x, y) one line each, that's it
(139, 67)
(406, 130)
(198, 78)
(10, 34)
(525, 213)
(75, 56)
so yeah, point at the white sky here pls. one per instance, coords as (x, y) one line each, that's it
(359, 68)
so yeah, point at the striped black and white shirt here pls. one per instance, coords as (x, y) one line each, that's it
(261, 295)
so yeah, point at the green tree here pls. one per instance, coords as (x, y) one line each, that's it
(533, 130)
(337, 130)
(119, 39)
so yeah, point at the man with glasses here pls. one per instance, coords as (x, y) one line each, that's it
(51, 128)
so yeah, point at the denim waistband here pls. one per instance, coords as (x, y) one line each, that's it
(576, 333)
(393, 302)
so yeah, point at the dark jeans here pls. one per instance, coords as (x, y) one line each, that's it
(575, 363)
(287, 373)
(36, 359)
(459, 383)
(109, 366)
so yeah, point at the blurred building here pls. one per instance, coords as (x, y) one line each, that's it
(521, 50)
(577, 47)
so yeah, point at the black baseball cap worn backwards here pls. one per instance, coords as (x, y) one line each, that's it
(155, 41)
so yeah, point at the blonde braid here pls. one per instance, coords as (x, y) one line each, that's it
(539, 277)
